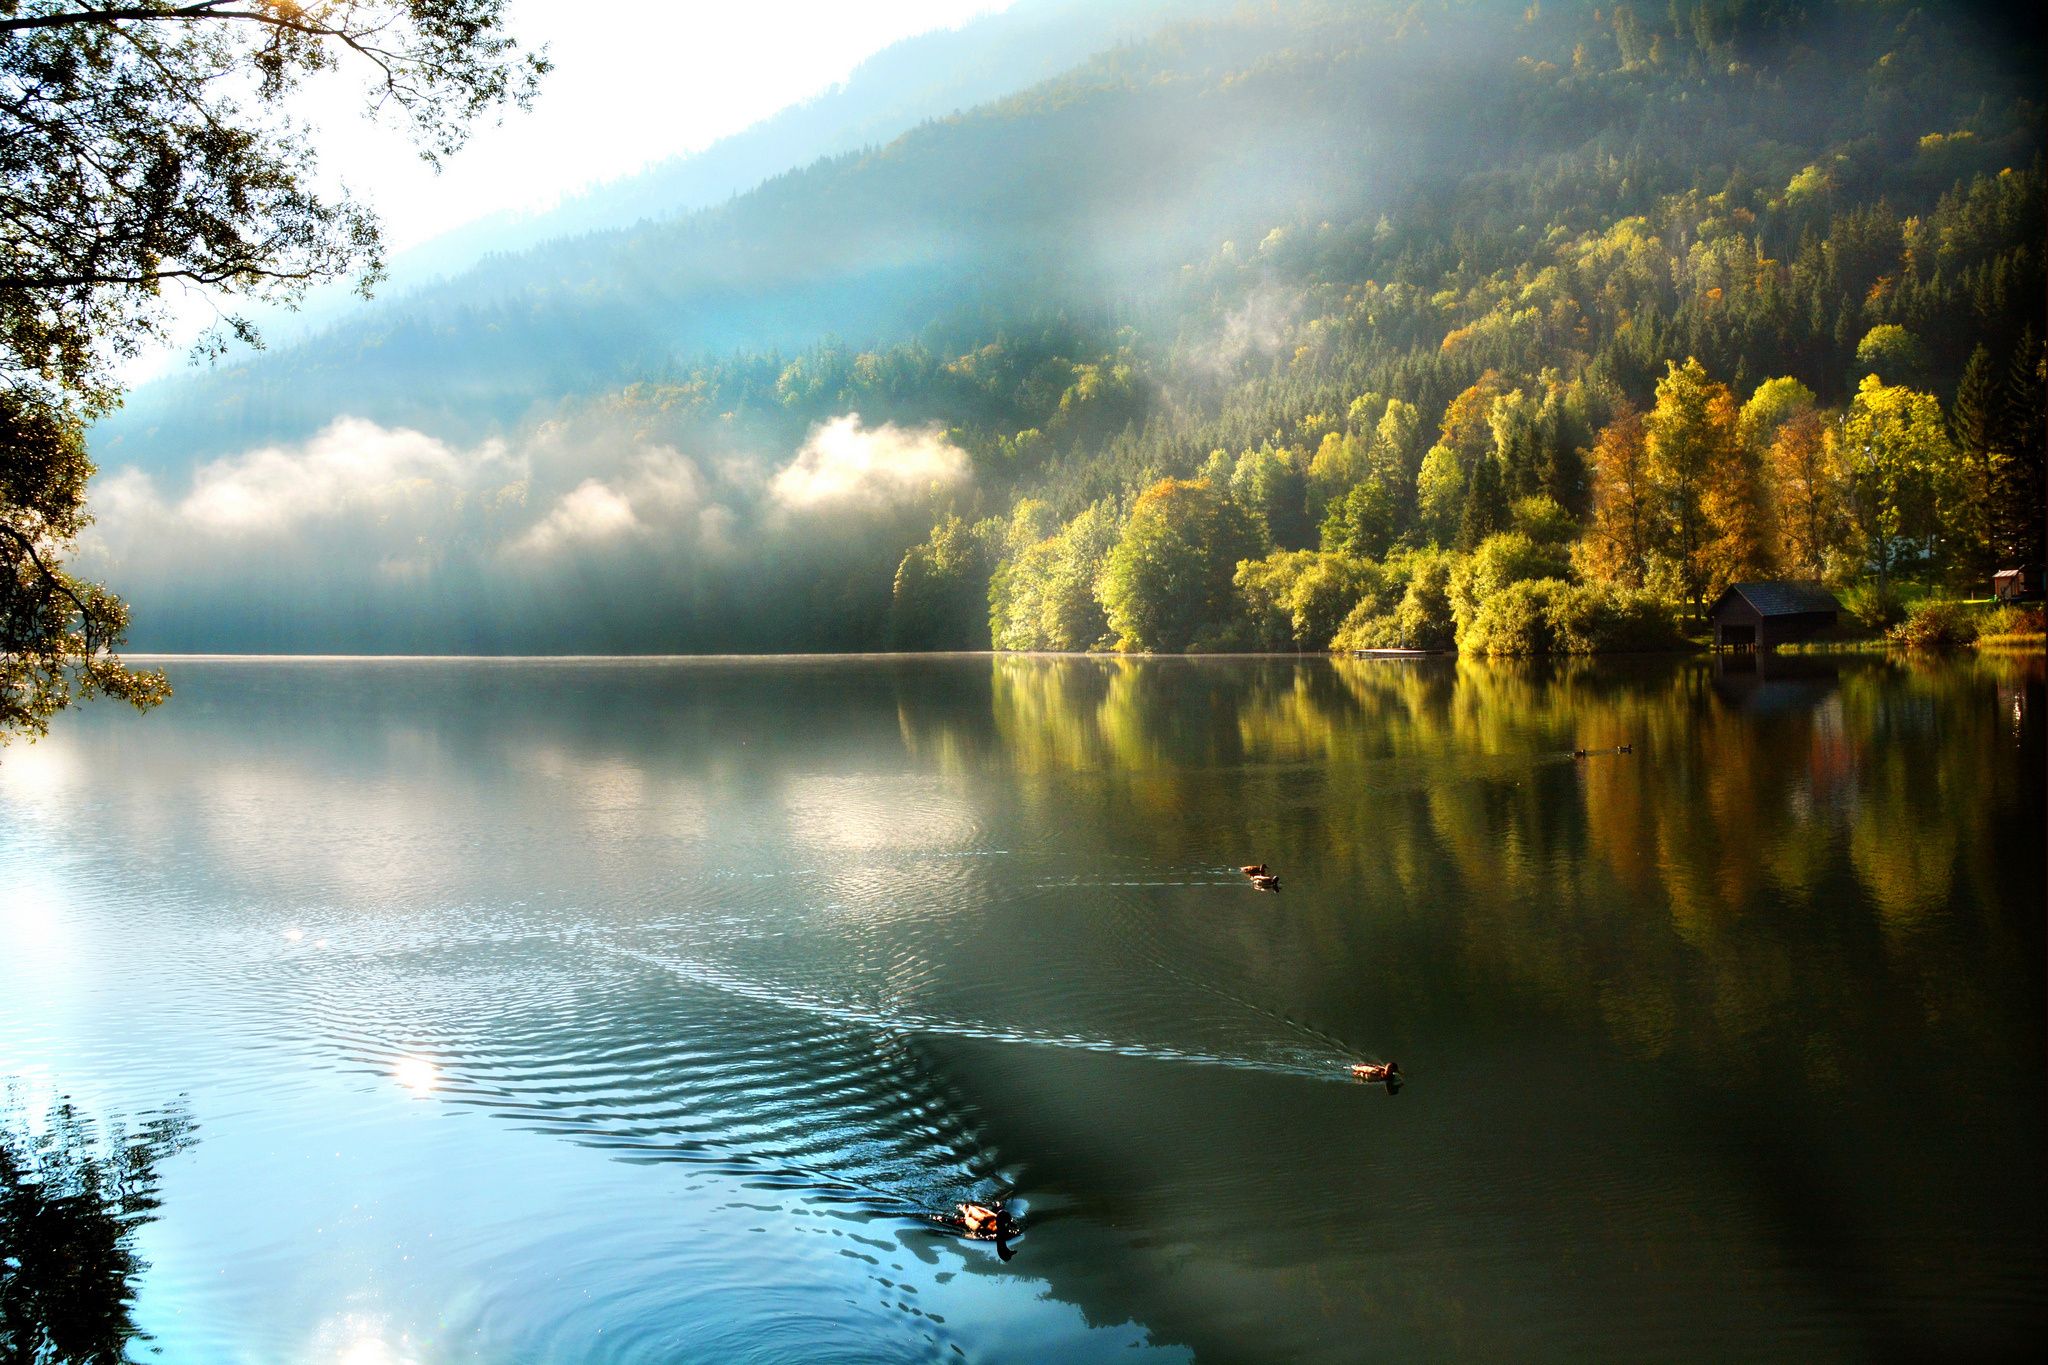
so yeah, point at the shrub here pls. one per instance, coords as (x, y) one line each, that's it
(1936, 624)
(1419, 619)
(1548, 616)
(1872, 606)
(1514, 620)
(2012, 620)
(1503, 559)
(1594, 618)
(1297, 599)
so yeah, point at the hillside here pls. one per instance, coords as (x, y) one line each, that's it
(1366, 278)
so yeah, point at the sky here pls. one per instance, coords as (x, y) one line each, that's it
(635, 81)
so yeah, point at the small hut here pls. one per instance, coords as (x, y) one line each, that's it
(1761, 615)
(2017, 585)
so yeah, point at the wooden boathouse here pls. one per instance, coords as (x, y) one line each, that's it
(1763, 615)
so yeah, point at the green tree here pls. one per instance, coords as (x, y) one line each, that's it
(1272, 485)
(1486, 504)
(57, 632)
(1362, 521)
(1974, 425)
(940, 597)
(145, 146)
(1042, 596)
(1509, 557)
(1169, 581)
(1901, 473)
(1439, 496)
(1893, 354)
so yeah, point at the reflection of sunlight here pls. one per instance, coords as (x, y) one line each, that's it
(35, 777)
(371, 1351)
(294, 935)
(358, 1340)
(868, 815)
(29, 914)
(416, 1074)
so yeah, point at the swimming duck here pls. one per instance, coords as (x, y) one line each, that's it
(1266, 881)
(1255, 870)
(1377, 1071)
(980, 1220)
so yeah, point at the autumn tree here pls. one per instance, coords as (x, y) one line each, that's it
(146, 146)
(1618, 543)
(1806, 491)
(1691, 448)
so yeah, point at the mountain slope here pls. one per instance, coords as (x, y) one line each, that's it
(1276, 249)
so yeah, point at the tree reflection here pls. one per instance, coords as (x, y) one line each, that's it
(1772, 841)
(72, 1198)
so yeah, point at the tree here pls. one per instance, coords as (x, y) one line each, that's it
(1806, 486)
(2021, 480)
(56, 631)
(1893, 354)
(1362, 521)
(142, 146)
(1974, 424)
(1297, 598)
(1168, 583)
(941, 594)
(1901, 468)
(1043, 595)
(1618, 544)
(1271, 485)
(1486, 504)
(1689, 440)
(1439, 495)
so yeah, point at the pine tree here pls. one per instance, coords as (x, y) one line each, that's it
(1974, 423)
(1486, 505)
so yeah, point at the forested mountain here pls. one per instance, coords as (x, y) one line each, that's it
(931, 75)
(1523, 324)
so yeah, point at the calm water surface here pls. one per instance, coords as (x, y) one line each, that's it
(643, 1010)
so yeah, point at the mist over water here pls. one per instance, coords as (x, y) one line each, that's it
(623, 1009)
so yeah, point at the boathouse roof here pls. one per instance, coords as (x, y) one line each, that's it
(1782, 597)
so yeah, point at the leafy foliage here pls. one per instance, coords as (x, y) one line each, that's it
(142, 147)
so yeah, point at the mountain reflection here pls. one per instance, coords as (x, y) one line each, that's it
(72, 1198)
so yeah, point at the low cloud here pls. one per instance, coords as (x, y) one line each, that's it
(841, 464)
(583, 532)
(351, 469)
(660, 495)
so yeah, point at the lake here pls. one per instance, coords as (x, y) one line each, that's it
(646, 1010)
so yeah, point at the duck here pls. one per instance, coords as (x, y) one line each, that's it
(980, 1220)
(1377, 1071)
(1266, 881)
(1254, 870)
